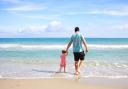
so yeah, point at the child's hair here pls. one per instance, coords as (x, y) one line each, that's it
(63, 51)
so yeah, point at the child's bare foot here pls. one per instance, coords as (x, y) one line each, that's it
(58, 71)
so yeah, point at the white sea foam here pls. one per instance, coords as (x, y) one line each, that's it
(108, 46)
(110, 77)
(1, 76)
(25, 71)
(26, 46)
(60, 46)
(30, 77)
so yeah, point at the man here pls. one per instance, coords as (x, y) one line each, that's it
(77, 39)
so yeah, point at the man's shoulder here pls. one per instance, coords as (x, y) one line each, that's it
(72, 35)
(80, 34)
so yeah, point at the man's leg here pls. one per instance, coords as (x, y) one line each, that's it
(80, 64)
(82, 55)
(76, 67)
(76, 61)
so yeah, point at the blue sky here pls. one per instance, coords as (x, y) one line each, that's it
(57, 18)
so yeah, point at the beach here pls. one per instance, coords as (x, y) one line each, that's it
(60, 83)
(63, 44)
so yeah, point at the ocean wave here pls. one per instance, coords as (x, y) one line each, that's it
(26, 46)
(108, 46)
(60, 46)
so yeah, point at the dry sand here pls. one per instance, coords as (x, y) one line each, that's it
(58, 83)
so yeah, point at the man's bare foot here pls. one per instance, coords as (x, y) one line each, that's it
(77, 77)
(77, 73)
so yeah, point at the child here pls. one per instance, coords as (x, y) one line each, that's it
(63, 60)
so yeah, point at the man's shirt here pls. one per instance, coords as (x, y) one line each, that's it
(77, 40)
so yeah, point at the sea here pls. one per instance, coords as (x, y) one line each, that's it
(40, 58)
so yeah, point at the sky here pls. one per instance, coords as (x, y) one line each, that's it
(58, 18)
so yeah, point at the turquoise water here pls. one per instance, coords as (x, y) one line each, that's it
(40, 57)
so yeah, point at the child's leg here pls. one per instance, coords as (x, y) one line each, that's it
(64, 68)
(60, 68)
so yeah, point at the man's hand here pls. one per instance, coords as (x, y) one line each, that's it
(86, 50)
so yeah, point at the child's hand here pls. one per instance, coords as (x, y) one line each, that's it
(66, 53)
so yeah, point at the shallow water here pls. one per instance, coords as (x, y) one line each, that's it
(40, 57)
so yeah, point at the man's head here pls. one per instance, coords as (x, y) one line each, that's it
(77, 29)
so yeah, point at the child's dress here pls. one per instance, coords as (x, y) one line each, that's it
(63, 60)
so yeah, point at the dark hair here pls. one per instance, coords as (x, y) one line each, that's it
(77, 29)
(63, 51)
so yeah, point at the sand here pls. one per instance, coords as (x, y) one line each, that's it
(59, 83)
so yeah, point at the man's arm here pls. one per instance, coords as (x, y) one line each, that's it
(69, 44)
(85, 45)
(84, 42)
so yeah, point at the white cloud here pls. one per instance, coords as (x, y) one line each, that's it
(47, 17)
(117, 11)
(33, 29)
(7, 29)
(76, 12)
(123, 26)
(11, 1)
(52, 27)
(24, 8)
(116, 30)
(110, 12)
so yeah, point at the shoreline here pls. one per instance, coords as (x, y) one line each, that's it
(59, 76)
